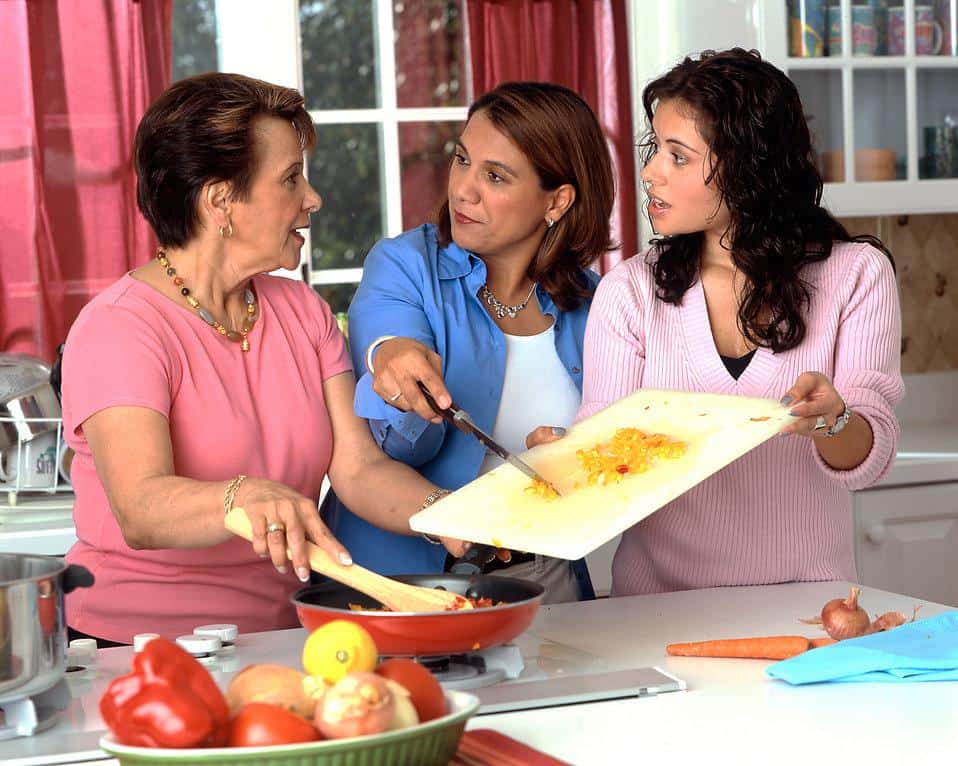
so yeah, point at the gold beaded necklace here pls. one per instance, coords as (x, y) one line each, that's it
(241, 337)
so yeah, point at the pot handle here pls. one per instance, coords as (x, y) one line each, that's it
(76, 576)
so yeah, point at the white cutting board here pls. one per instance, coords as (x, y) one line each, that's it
(495, 508)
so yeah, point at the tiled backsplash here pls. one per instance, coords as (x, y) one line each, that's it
(925, 248)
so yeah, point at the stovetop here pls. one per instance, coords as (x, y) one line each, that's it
(76, 731)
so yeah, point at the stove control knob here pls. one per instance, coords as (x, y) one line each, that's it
(199, 646)
(225, 632)
(142, 639)
(82, 651)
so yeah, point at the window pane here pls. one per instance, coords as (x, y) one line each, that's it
(937, 123)
(338, 297)
(345, 170)
(194, 38)
(430, 53)
(425, 149)
(879, 141)
(821, 92)
(339, 54)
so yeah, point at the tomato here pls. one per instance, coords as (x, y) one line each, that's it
(259, 724)
(424, 690)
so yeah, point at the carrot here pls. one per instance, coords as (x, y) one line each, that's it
(814, 643)
(759, 648)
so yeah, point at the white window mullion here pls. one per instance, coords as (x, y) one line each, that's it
(412, 114)
(336, 276)
(391, 180)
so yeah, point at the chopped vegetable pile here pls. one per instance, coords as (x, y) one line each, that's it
(629, 451)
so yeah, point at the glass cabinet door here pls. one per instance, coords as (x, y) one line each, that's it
(880, 130)
(821, 93)
(938, 123)
(879, 81)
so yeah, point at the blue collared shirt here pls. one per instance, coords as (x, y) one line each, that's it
(414, 288)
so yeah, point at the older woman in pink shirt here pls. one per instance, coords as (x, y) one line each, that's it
(752, 289)
(198, 381)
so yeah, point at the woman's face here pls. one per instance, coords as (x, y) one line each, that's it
(496, 203)
(280, 201)
(680, 200)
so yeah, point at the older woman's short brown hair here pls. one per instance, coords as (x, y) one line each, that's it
(560, 135)
(200, 131)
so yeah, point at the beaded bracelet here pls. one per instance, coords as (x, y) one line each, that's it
(230, 492)
(431, 498)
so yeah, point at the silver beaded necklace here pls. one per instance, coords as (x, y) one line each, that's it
(501, 309)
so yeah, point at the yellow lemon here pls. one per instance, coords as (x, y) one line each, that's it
(337, 648)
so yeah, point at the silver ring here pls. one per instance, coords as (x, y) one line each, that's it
(275, 526)
(820, 424)
(396, 396)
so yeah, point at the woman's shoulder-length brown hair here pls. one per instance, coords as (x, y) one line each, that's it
(560, 135)
(201, 130)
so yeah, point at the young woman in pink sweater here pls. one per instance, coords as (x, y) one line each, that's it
(752, 288)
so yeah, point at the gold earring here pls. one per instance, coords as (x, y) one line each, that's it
(227, 231)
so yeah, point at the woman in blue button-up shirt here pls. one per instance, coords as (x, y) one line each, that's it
(488, 308)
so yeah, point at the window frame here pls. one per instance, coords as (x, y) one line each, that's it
(253, 38)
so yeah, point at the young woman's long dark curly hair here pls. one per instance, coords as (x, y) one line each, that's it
(751, 116)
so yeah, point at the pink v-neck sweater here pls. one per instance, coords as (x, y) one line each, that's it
(778, 513)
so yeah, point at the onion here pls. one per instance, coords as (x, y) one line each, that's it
(887, 621)
(843, 618)
(406, 714)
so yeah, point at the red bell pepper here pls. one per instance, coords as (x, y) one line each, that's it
(169, 700)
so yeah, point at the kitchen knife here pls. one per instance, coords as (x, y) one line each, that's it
(461, 420)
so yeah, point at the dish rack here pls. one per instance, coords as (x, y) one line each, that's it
(52, 461)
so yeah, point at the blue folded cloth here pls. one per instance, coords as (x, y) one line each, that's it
(926, 650)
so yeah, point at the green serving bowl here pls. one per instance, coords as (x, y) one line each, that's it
(432, 743)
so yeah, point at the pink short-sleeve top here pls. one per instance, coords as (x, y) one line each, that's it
(260, 413)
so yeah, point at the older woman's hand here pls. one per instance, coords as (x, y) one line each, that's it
(400, 364)
(812, 396)
(282, 518)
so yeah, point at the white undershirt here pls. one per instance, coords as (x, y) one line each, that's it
(536, 391)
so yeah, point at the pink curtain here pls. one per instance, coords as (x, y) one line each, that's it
(582, 44)
(77, 77)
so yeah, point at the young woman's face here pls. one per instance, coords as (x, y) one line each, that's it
(496, 202)
(280, 200)
(680, 200)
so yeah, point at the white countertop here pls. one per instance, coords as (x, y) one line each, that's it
(732, 712)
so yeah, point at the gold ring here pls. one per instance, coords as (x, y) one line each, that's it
(395, 396)
(275, 526)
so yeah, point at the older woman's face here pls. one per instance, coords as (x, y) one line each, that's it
(280, 201)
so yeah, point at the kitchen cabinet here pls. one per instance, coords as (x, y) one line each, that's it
(906, 539)
(873, 116)
(879, 87)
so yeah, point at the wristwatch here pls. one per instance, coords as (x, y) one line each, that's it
(840, 422)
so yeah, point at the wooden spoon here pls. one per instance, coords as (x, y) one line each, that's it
(394, 595)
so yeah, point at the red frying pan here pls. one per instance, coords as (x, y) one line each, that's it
(429, 633)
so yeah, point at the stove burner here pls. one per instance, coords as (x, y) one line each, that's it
(475, 669)
(31, 715)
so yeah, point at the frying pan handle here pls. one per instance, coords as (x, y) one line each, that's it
(478, 555)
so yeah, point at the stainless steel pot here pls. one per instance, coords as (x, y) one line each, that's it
(28, 413)
(33, 631)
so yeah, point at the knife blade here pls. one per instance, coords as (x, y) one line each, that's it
(462, 420)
